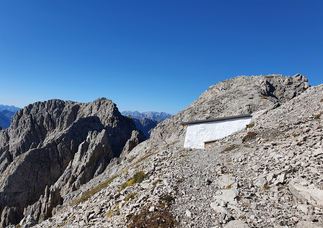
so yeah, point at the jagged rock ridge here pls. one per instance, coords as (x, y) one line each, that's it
(52, 148)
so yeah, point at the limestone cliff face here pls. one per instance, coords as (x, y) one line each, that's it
(52, 148)
(235, 96)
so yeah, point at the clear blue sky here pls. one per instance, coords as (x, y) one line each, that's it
(151, 55)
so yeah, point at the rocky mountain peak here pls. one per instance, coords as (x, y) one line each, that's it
(58, 143)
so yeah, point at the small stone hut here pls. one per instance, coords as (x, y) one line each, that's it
(201, 133)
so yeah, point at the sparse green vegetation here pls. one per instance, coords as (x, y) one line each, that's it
(94, 190)
(321, 100)
(144, 158)
(160, 217)
(229, 186)
(263, 97)
(250, 125)
(229, 148)
(250, 135)
(137, 178)
(130, 196)
(166, 200)
(296, 135)
(113, 211)
(132, 158)
(266, 187)
(317, 116)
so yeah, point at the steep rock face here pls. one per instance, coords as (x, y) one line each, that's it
(53, 147)
(145, 125)
(235, 96)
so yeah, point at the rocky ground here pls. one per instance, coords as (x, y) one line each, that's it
(267, 175)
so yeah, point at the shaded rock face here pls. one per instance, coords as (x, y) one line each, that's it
(53, 148)
(145, 125)
(235, 96)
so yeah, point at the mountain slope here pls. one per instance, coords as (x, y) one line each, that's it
(235, 96)
(267, 175)
(52, 148)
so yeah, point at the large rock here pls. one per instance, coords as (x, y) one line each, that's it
(306, 192)
(53, 148)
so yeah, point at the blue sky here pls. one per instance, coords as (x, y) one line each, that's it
(151, 55)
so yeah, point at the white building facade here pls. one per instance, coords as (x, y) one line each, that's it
(200, 132)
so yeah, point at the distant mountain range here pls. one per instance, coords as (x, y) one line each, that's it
(6, 114)
(10, 108)
(158, 116)
(147, 121)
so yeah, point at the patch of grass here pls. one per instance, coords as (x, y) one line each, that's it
(113, 211)
(144, 158)
(132, 158)
(250, 125)
(296, 135)
(228, 172)
(228, 161)
(159, 218)
(266, 186)
(229, 148)
(94, 190)
(250, 135)
(269, 76)
(317, 116)
(186, 155)
(166, 200)
(130, 196)
(263, 97)
(137, 178)
(321, 100)
(229, 186)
